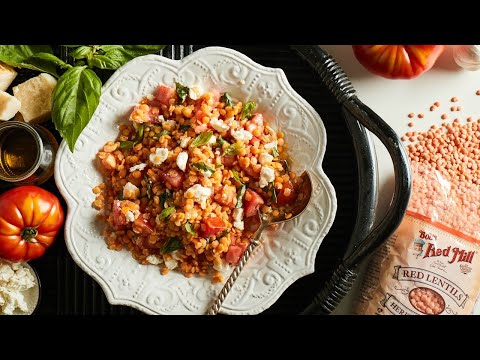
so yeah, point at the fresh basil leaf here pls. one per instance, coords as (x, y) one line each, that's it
(75, 99)
(184, 127)
(149, 186)
(166, 212)
(163, 198)
(226, 99)
(14, 55)
(221, 141)
(236, 176)
(39, 58)
(204, 168)
(247, 110)
(275, 152)
(182, 91)
(286, 166)
(71, 46)
(233, 149)
(189, 229)
(202, 139)
(140, 130)
(81, 52)
(274, 193)
(127, 144)
(240, 195)
(111, 60)
(172, 244)
(139, 50)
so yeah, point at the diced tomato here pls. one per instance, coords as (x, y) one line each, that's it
(227, 196)
(235, 252)
(165, 93)
(251, 206)
(119, 219)
(173, 178)
(283, 199)
(228, 160)
(213, 226)
(142, 226)
(255, 122)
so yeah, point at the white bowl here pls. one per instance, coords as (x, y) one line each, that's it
(287, 254)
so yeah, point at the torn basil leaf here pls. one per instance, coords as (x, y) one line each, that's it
(247, 110)
(182, 91)
(226, 99)
(166, 212)
(240, 195)
(236, 176)
(172, 244)
(189, 229)
(202, 139)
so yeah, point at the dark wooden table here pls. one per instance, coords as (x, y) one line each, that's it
(66, 289)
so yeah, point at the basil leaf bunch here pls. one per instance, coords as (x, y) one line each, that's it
(78, 89)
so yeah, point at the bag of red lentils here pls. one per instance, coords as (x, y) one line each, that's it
(431, 264)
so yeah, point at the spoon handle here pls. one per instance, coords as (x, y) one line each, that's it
(236, 272)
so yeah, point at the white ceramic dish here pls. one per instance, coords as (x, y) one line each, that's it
(288, 253)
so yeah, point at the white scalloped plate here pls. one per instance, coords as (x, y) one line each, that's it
(287, 254)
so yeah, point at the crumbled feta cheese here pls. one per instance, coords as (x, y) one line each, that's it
(239, 225)
(270, 145)
(212, 140)
(237, 218)
(171, 264)
(200, 194)
(159, 156)
(132, 215)
(194, 92)
(130, 191)
(222, 266)
(150, 97)
(242, 134)
(176, 255)
(154, 260)
(219, 125)
(265, 158)
(231, 120)
(182, 159)
(184, 141)
(138, 167)
(160, 118)
(14, 279)
(266, 175)
(169, 125)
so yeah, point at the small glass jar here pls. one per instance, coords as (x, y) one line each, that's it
(27, 153)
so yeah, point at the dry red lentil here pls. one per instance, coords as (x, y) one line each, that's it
(444, 116)
(411, 115)
(411, 124)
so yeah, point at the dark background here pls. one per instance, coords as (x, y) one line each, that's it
(67, 290)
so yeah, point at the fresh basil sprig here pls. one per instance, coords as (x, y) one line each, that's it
(78, 90)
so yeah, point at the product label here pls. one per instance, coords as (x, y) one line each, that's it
(423, 268)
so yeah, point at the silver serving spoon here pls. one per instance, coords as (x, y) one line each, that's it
(265, 221)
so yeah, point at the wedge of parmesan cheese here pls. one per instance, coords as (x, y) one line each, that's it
(9, 106)
(35, 95)
(7, 75)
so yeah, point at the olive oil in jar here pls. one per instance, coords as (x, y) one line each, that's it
(18, 152)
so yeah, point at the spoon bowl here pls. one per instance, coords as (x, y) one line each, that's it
(303, 198)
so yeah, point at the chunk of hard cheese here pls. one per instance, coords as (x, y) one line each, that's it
(7, 75)
(36, 97)
(9, 106)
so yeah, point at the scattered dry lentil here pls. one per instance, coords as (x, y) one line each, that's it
(411, 124)
(411, 115)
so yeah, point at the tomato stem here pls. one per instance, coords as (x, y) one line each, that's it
(29, 234)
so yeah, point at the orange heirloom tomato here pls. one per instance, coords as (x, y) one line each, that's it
(30, 218)
(398, 61)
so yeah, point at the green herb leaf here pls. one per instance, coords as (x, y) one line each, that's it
(189, 229)
(172, 244)
(224, 233)
(274, 193)
(71, 46)
(204, 168)
(286, 166)
(149, 186)
(22, 56)
(184, 127)
(140, 131)
(240, 195)
(81, 52)
(275, 152)
(163, 198)
(139, 50)
(75, 99)
(166, 212)
(233, 149)
(182, 91)
(120, 196)
(127, 144)
(247, 110)
(46, 61)
(163, 132)
(226, 99)
(236, 176)
(202, 139)
(221, 141)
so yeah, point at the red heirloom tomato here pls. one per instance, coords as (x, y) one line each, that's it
(213, 226)
(30, 218)
(398, 61)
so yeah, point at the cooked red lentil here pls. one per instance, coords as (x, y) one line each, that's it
(184, 179)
